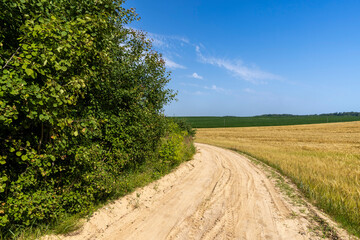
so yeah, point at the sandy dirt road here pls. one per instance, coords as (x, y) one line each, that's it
(218, 195)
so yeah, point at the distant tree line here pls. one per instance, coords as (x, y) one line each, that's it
(356, 114)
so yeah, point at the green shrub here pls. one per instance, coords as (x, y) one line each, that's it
(81, 101)
(184, 125)
(176, 146)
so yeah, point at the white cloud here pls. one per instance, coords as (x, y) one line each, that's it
(158, 42)
(197, 48)
(253, 75)
(173, 65)
(207, 90)
(216, 88)
(169, 44)
(197, 76)
(212, 87)
(163, 41)
(196, 93)
(167, 41)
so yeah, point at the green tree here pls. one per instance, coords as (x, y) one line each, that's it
(81, 99)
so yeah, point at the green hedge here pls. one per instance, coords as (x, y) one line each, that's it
(81, 99)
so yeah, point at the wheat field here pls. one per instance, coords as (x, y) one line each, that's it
(322, 159)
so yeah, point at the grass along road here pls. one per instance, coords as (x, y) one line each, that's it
(322, 159)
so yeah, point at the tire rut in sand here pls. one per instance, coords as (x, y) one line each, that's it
(218, 195)
(210, 218)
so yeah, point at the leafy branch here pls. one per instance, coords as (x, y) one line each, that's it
(7, 62)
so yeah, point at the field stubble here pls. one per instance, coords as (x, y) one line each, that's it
(323, 160)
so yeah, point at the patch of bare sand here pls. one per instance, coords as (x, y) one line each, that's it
(218, 195)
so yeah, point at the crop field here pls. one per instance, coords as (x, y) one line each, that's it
(322, 159)
(275, 120)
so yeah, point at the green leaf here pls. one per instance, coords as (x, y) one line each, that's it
(37, 28)
(18, 153)
(24, 157)
(29, 72)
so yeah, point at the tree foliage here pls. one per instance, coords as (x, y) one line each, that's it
(81, 98)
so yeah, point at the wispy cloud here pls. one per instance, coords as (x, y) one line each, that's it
(167, 41)
(163, 41)
(196, 93)
(197, 76)
(169, 45)
(238, 68)
(173, 65)
(216, 88)
(211, 88)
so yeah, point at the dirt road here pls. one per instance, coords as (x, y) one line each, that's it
(218, 195)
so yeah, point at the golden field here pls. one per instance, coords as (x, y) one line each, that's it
(322, 159)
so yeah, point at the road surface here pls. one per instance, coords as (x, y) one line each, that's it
(218, 195)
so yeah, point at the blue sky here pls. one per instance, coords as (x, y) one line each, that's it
(246, 58)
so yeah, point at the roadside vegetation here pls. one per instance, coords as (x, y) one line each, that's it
(323, 160)
(81, 112)
(269, 120)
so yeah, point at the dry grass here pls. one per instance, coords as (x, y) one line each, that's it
(322, 159)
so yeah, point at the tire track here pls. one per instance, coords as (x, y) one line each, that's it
(218, 195)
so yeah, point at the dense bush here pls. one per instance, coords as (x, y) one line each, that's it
(81, 98)
(175, 146)
(184, 125)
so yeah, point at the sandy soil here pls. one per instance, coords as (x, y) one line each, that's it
(218, 195)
